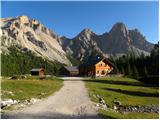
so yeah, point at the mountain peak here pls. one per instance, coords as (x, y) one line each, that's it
(119, 29)
(86, 31)
(23, 19)
(119, 26)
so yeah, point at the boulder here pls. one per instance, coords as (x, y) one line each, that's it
(8, 102)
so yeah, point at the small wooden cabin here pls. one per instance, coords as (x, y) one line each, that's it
(38, 71)
(97, 67)
(69, 71)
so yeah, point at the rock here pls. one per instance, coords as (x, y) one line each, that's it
(97, 96)
(22, 105)
(135, 109)
(3, 105)
(22, 76)
(115, 107)
(8, 102)
(15, 101)
(97, 105)
(101, 101)
(34, 100)
(118, 103)
(139, 109)
(13, 77)
(10, 93)
(105, 106)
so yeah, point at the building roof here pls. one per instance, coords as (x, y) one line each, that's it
(95, 61)
(36, 69)
(71, 68)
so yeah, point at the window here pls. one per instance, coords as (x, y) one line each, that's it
(98, 72)
(103, 72)
(100, 65)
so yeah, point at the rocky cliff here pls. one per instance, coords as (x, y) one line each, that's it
(30, 34)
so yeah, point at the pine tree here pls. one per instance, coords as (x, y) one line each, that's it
(145, 72)
(128, 70)
(122, 70)
(135, 73)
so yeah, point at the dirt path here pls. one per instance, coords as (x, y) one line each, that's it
(71, 101)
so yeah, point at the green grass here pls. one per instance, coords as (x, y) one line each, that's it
(115, 115)
(128, 91)
(31, 87)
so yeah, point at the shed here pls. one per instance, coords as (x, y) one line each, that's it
(69, 71)
(38, 71)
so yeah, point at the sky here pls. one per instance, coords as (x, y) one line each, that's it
(70, 18)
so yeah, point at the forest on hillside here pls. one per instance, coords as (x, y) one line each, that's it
(17, 63)
(144, 68)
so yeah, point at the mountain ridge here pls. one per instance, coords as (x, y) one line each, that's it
(118, 41)
(30, 34)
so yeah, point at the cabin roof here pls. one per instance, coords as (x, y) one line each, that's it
(36, 69)
(71, 68)
(95, 61)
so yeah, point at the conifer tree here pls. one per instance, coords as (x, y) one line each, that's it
(135, 73)
(128, 70)
(145, 72)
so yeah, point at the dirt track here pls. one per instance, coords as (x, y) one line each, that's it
(71, 101)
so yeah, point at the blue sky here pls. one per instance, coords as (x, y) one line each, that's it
(69, 18)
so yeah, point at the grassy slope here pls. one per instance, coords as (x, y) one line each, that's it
(29, 88)
(132, 93)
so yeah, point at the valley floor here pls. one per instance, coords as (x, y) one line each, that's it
(71, 101)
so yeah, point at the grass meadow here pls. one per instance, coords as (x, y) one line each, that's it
(128, 91)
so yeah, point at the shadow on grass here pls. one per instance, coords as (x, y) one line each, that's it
(134, 93)
(103, 116)
(117, 82)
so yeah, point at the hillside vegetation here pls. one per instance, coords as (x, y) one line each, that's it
(17, 62)
(143, 68)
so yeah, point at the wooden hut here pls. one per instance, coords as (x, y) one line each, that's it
(69, 71)
(38, 71)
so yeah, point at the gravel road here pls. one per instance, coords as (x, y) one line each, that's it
(71, 101)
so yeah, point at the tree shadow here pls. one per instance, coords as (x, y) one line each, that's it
(134, 93)
(103, 116)
(117, 82)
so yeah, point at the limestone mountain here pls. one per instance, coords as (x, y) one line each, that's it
(30, 35)
(118, 41)
(82, 46)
